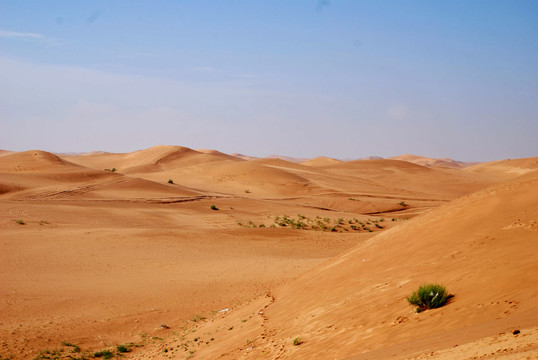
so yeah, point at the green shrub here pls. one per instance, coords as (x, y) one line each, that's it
(297, 341)
(213, 207)
(123, 349)
(170, 181)
(429, 296)
(20, 222)
(105, 354)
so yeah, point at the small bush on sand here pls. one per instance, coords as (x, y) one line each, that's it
(123, 349)
(297, 341)
(105, 354)
(20, 221)
(429, 296)
(170, 181)
(213, 207)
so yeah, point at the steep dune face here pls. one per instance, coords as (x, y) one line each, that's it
(505, 169)
(482, 247)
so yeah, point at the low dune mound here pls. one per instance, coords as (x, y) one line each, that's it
(378, 164)
(402, 177)
(268, 176)
(36, 174)
(282, 164)
(505, 169)
(34, 161)
(320, 161)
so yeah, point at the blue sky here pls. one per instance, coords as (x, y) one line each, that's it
(344, 79)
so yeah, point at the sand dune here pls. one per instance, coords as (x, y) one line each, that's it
(482, 247)
(43, 175)
(98, 257)
(34, 161)
(505, 169)
(149, 160)
(5, 152)
(418, 180)
(320, 161)
(426, 161)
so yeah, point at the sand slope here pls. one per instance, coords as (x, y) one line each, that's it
(482, 247)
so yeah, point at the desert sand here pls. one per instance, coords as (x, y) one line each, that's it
(181, 253)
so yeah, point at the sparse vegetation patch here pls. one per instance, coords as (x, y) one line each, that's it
(123, 349)
(318, 224)
(429, 296)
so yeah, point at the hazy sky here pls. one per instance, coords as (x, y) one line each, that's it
(343, 79)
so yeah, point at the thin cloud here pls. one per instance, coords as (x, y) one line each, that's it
(6, 34)
(19, 35)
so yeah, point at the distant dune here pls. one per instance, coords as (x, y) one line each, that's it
(426, 161)
(287, 158)
(244, 157)
(320, 161)
(506, 168)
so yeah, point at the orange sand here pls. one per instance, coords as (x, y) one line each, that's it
(105, 258)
